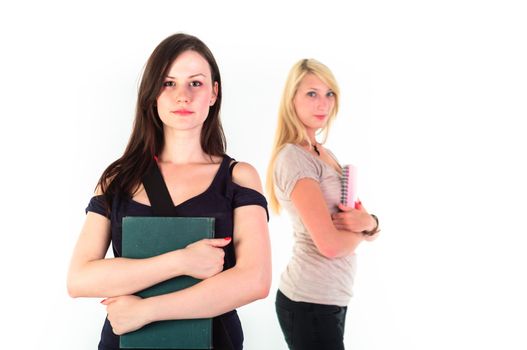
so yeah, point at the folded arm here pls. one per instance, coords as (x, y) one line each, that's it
(331, 241)
(91, 275)
(248, 280)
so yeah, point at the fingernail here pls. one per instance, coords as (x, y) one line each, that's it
(102, 301)
(227, 238)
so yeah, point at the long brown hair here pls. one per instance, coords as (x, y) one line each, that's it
(124, 175)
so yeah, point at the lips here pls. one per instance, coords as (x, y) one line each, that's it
(183, 112)
(320, 116)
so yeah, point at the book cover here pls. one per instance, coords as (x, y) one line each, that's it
(145, 237)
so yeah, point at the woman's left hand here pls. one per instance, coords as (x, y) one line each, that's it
(352, 219)
(126, 313)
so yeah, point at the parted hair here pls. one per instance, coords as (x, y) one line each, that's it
(289, 127)
(124, 176)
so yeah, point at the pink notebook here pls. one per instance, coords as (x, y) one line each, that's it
(348, 195)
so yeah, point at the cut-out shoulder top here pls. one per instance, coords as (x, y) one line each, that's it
(219, 201)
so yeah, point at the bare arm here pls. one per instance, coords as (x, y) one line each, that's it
(331, 242)
(91, 275)
(248, 280)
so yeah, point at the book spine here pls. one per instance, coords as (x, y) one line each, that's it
(348, 195)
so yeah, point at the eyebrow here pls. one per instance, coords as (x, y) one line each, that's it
(312, 88)
(191, 76)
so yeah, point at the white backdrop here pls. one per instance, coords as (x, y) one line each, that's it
(433, 97)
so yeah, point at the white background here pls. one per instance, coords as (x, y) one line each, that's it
(433, 102)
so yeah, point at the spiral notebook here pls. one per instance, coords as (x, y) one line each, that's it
(348, 195)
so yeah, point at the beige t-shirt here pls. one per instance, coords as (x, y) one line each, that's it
(309, 276)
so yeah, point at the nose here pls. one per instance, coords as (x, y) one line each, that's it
(323, 103)
(182, 95)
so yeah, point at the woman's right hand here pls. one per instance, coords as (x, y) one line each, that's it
(204, 258)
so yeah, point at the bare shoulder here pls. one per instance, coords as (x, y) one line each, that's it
(244, 174)
(98, 191)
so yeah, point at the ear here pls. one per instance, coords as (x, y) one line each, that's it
(214, 94)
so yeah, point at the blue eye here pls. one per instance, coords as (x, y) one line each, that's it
(331, 94)
(169, 84)
(196, 83)
(311, 94)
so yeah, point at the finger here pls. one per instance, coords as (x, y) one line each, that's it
(344, 208)
(339, 226)
(336, 215)
(219, 242)
(107, 301)
(359, 206)
(342, 227)
(337, 220)
(218, 254)
(341, 215)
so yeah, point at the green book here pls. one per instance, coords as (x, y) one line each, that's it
(145, 237)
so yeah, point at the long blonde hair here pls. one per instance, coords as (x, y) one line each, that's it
(289, 128)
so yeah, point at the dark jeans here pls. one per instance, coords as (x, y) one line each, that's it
(308, 326)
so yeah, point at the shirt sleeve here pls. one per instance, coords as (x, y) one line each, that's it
(291, 165)
(243, 196)
(98, 205)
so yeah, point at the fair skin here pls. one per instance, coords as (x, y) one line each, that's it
(183, 106)
(334, 235)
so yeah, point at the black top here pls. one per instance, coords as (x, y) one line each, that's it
(219, 201)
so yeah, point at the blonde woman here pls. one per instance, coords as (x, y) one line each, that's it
(304, 178)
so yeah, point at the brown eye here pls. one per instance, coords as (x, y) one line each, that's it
(169, 84)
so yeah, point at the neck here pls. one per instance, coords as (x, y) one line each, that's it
(311, 136)
(182, 147)
(312, 145)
